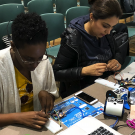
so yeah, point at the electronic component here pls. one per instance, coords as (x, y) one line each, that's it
(87, 108)
(114, 106)
(53, 126)
(107, 83)
(62, 112)
(86, 98)
(132, 96)
(127, 82)
(120, 91)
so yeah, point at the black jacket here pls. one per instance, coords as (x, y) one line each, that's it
(68, 65)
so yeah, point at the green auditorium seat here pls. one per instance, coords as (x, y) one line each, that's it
(55, 25)
(40, 6)
(75, 12)
(9, 11)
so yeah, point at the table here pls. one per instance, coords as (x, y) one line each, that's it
(96, 90)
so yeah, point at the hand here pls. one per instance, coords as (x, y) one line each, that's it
(46, 100)
(113, 65)
(33, 119)
(95, 70)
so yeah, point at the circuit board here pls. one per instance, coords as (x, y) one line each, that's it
(76, 115)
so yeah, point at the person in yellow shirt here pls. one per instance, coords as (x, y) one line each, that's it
(27, 85)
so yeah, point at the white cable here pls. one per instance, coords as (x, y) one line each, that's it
(132, 132)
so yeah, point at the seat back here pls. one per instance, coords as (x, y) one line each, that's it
(124, 15)
(40, 6)
(5, 29)
(9, 1)
(9, 12)
(84, 3)
(75, 12)
(26, 2)
(55, 24)
(63, 5)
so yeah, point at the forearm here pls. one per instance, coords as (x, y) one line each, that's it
(41, 94)
(7, 119)
(66, 75)
(84, 71)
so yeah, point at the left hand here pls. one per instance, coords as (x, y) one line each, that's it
(113, 65)
(46, 100)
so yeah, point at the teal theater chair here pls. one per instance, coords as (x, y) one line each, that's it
(84, 3)
(55, 25)
(40, 6)
(124, 15)
(131, 24)
(9, 1)
(5, 29)
(75, 12)
(63, 5)
(9, 12)
(26, 2)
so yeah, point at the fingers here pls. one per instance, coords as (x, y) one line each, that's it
(99, 74)
(43, 115)
(36, 126)
(101, 64)
(101, 68)
(47, 103)
(113, 65)
(40, 119)
(52, 105)
(44, 104)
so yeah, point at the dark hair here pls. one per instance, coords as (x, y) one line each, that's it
(103, 9)
(29, 29)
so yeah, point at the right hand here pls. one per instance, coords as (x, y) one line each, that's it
(34, 119)
(95, 70)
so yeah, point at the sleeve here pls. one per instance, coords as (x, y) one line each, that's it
(118, 54)
(122, 50)
(1, 94)
(65, 66)
(51, 85)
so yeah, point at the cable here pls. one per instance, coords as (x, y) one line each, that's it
(113, 125)
(58, 118)
(132, 132)
(116, 127)
(92, 114)
(75, 108)
(119, 74)
(116, 122)
(132, 89)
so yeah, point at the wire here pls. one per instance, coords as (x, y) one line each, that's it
(58, 118)
(113, 125)
(75, 108)
(132, 89)
(116, 122)
(116, 127)
(119, 74)
(132, 132)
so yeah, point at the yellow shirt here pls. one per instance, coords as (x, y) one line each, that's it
(22, 82)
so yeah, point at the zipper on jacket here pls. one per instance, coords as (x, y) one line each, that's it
(76, 52)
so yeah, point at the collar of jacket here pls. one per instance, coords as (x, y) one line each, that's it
(74, 40)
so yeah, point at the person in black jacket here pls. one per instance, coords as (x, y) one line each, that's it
(88, 50)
